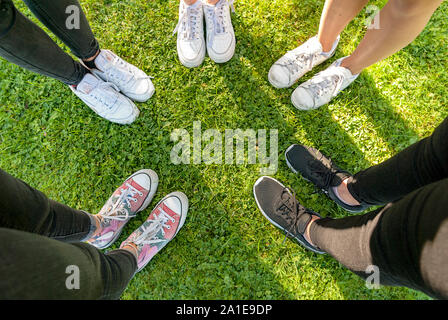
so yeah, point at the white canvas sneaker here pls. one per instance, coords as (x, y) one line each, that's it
(220, 33)
(323, 87)
(105, 100)
(296, 63)
(130, 80)
(190, 34)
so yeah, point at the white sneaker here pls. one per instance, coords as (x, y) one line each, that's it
(296, 63)
(105, 100)
(220, 33)
(323, 87)
(190, 34)
(131, 81)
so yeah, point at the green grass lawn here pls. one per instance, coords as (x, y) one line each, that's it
(226, 250)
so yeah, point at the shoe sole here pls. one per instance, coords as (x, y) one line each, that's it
(275, 84)
(141, 97)
(306, 246)
(226, 57)
(154, 184)
(195, 63)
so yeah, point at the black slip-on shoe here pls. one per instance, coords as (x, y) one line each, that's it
(279, 205)
(318, 169)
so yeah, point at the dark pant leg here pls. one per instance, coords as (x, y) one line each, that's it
(36, 267)
(27, 209)
(23, 43)
(62, 17)
(418, 165)
(406, 240)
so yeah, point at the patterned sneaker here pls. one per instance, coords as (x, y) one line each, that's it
(280, 206)
(323, 87)
(296, 63)
(321, 171)
(132, 82)
(105, 100)
(220, 33)
(161, 227)
(190, 34)
(133, 196)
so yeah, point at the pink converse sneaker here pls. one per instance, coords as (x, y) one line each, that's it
(133, 196)
(161, 227)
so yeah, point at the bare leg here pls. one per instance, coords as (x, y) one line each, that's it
(190, 2)
(401, 21)
(336, 16)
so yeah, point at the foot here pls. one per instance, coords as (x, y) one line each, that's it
(220, 33)
(190, 34)
(105, 100)
(133, 196)
(323, 87)
(161, 227)
(296, 63)
(132, 82)
(281, 208)
(321, 171)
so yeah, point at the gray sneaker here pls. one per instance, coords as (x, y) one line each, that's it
(280, 206)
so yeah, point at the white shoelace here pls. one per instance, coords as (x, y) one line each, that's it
(149, 234)
(293, 61)
(322, 85)
(121, 72)
(104, 94)
(117, 211)
(219, 22)
(189, 21)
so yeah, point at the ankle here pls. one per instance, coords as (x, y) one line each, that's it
(345, 195)
(92, 57)
(132, 249)
(326, 43)
(308, 228)
(97, 225)
(351, 65)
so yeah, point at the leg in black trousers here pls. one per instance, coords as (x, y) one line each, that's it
(33, 263)
(416, 166)
(408, 239)
(25, 44)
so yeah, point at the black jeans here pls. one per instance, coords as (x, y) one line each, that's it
(25, 44)
(40, 240)
(407, 240)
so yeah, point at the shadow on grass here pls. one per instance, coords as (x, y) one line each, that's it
(389, 125)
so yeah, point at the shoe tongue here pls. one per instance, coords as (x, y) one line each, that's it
(103, 59)
(87, 84)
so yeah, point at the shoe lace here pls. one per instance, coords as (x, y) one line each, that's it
(106, 93)
(149, 234)
(118, 211)
(323, 174)
(217, 15)
(323, 85)
(121, 72)
(189, 23)
(290, 209)
(295, 62)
